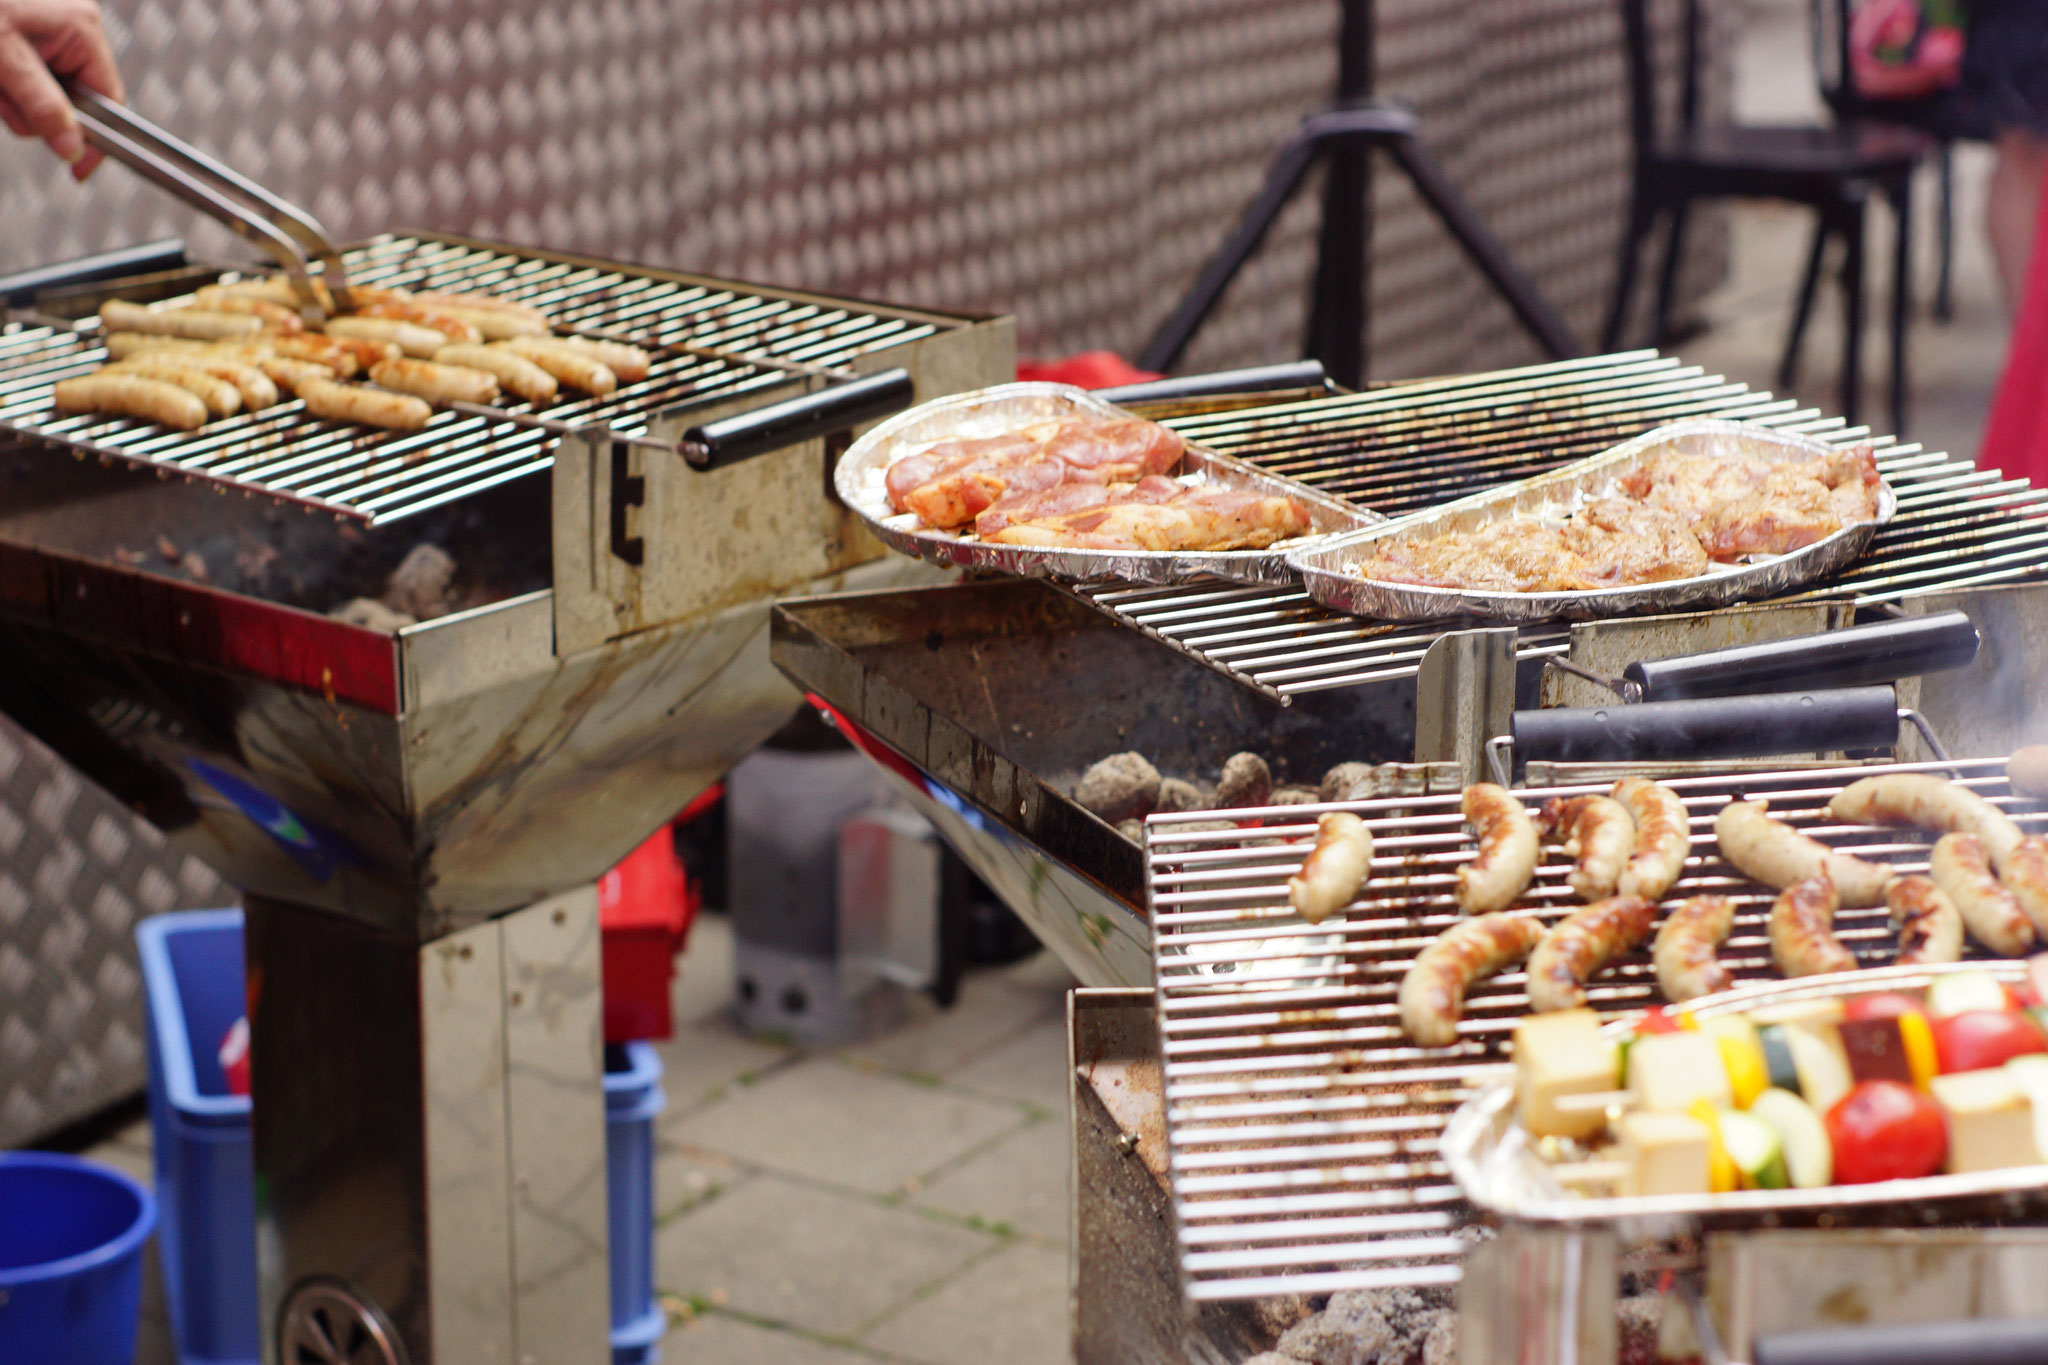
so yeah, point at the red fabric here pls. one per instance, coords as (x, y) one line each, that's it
(2016, 436)
(1088, 370)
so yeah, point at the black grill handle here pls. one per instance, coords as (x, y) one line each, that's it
(1985, 1341)
(1295, 374)
(716, 445)
(1880, 652)
(1712, 727)
(21, 290)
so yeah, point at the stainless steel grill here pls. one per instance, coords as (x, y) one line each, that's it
(1301, 1122)
(1401, 449)
(709, 341)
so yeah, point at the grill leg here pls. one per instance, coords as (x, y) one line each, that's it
(1852, 313)
(429, 1133)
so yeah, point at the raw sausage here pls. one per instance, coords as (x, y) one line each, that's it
(409, 337)
(1685, 950)
(1335, 867)
(1928, 802)
(222, 399)
(275, 317)
(2027, 770)
(565, 362)
(1581, 944)
(293, 375)
(629, 363)
(519, 375)
(1507, 850)
(131, 395)
(1598, 834)
(275, 288)
(1433, 991)
(1991, 914)
(1777, 855)
(2024, 872)
(118, 315)
(436, 383)
(458, 332)
(1929, 926)
(354, 403)
(121, 345)
(1663, 837)
(1802, 930)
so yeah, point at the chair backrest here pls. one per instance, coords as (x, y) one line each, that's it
(1639, 37)
(1831, 55)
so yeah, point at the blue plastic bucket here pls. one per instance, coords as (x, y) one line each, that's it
(71, 1235)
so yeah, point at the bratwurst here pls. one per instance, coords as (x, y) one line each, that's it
(1507, 850)
(1777, 855)
(1433, 991)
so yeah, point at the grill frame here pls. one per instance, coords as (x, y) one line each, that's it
(713, 341)
(1329, 1071)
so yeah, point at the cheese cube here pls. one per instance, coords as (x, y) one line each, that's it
(1990, 1121)
(1668, 1072)
(1664, 1154)
(1557, 1055)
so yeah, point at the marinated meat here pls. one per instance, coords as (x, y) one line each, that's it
(1786, 511)
(1618, 541)
(1193, 519)
(1118, 451)
(1049, 504)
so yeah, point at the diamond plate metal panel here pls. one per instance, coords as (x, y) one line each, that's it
(1070, 161)
(76, 872)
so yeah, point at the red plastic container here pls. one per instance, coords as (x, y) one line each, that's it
(645, 907)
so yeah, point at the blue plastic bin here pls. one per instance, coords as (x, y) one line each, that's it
(71, 1236)
(205, 1173)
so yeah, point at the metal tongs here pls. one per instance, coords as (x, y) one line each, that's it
(284, 230)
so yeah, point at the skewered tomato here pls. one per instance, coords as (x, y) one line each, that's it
(1885, 1130)
(1885, 1005)
(1976, 1039)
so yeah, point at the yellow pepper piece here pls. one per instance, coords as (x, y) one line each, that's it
(1721, 1173)
(1748, 1075)
(1918, 1037)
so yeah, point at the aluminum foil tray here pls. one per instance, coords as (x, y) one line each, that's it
(1488, 1153)
(1326, 567)
(859, 476)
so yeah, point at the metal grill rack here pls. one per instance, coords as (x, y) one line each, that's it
(1302, 1125)
(1401, 449)
(708, 341)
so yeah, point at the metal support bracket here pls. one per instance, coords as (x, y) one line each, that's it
(629, 491)
(1464, 696)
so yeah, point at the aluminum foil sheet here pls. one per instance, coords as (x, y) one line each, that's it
(858, 479)
(1326, 568)
(1490, 1156)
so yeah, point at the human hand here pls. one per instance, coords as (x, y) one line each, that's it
(43, 42)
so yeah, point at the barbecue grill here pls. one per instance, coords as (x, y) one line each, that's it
(408, 810)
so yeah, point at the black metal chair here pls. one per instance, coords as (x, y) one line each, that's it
(1834, 170)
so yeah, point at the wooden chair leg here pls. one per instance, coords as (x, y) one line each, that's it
(1852, 313)
(1902, 297)
(1641, 217)
(1945, 232)
(1809, 286)
(1667, 281)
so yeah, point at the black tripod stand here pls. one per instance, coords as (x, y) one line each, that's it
(1346, 134)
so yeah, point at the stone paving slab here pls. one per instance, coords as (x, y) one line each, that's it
(706, 1057)
(685, 1177)
(1031, 1066)
(932, 1041)
(1018, 1184)
(716, 1339)
(1010, 1309)
(813, 1258)
(826, 1120)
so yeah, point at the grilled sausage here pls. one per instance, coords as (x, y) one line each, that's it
(436, 383)
(565, 362)
(222, 399)
(1927, 802)
(293, 375)
(409, 337)
(336, 355)
(1929, 926)
(494, 319)
(516, 373)
(2024, 872)
(275, 317)
(1581, 944)
(1991, 914)
(1802, 930)
(2027, 770)
(483, 303)
(1598, 835)
(1433, 992)
(257, 390)
(1663, 837)
(131, 395)
(1335, 867)
(1777, 855)
(458, 332)
(121, 345)
(275, 288)
(1685, 950)
(354, 403)
(118, 315)
(629, 363)
(1507, 850)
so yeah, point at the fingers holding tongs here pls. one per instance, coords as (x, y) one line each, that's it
(286, 231)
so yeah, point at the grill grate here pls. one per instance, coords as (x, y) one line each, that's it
(709, 342)
(1400, 450)
(1302, 1126)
